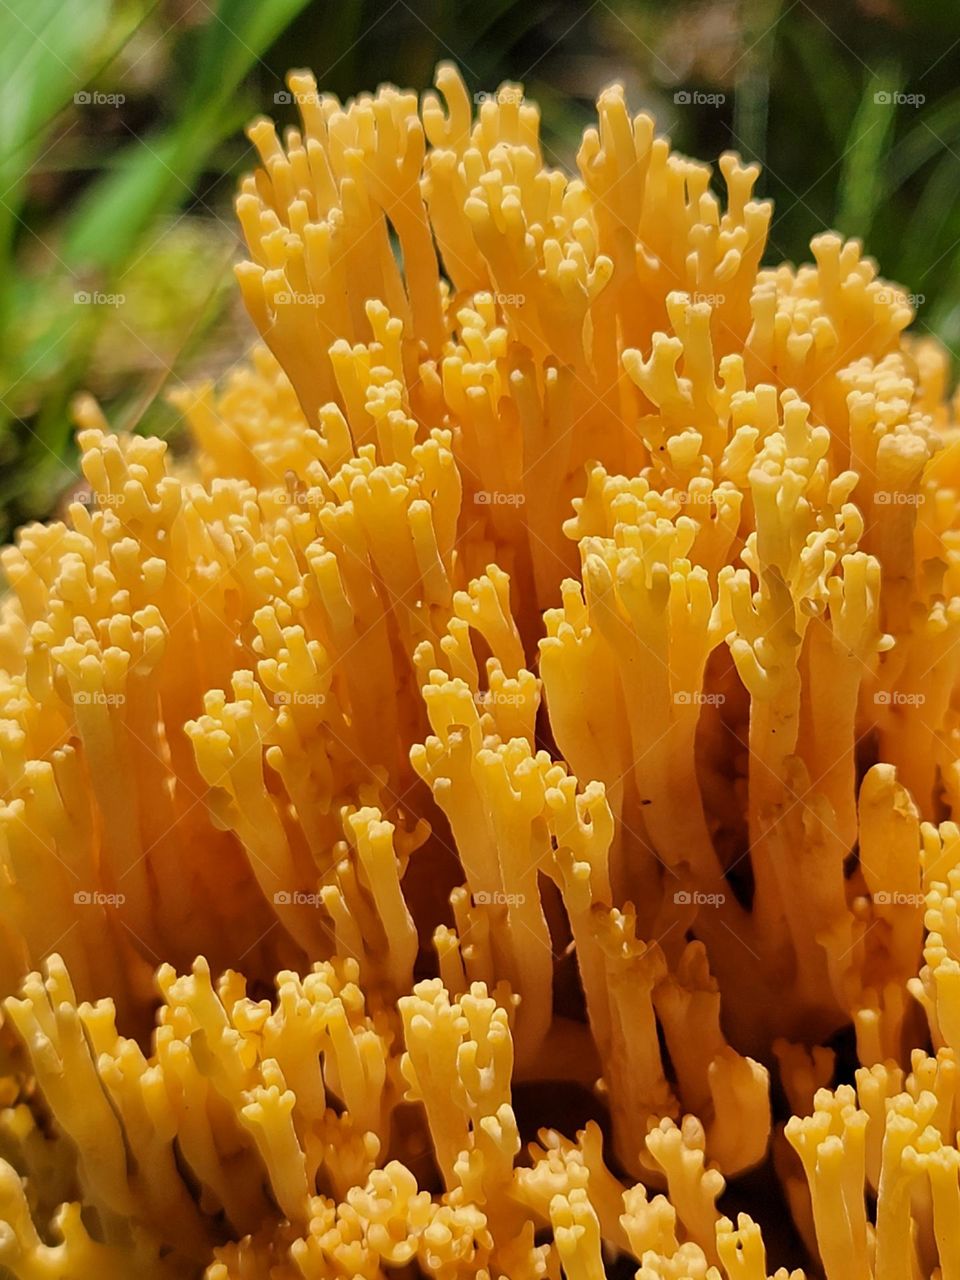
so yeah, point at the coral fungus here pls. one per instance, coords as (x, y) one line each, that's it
(534, 699)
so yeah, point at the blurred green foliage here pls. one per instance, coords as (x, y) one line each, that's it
(121, 143)
(111, 116)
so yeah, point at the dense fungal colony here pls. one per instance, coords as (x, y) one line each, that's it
(542, 670)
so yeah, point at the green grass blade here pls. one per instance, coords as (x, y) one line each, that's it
(860, 189)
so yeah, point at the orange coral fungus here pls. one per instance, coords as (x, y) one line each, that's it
(542, 672)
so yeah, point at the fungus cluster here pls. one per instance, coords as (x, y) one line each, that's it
(495, 791)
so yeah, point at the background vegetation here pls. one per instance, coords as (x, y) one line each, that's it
(121, 143)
